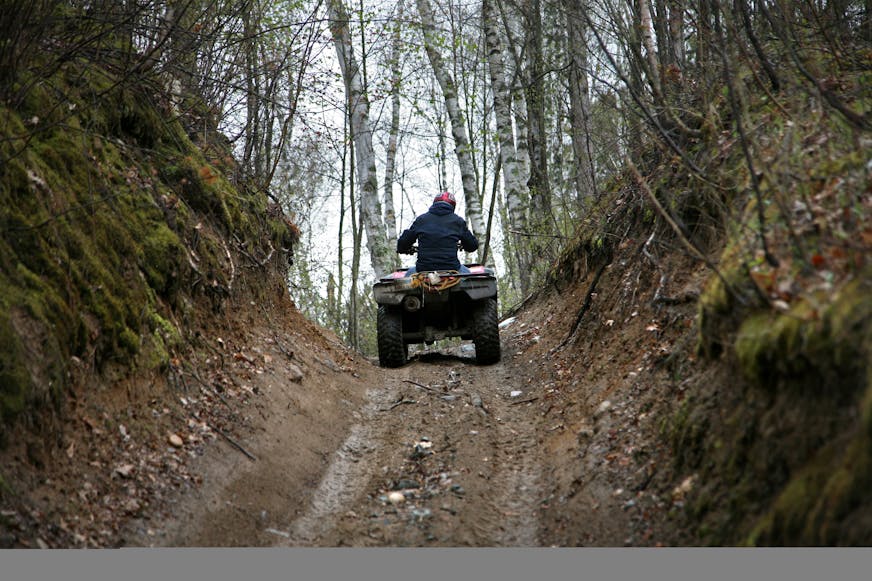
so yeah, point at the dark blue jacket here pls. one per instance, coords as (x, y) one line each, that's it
(437, 233)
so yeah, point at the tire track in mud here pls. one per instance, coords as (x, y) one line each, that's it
(521, 493)
(346, 476)
(484, 449)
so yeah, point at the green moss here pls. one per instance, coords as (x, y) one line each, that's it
(129, 340)
(809, 346)
(100, 199)
(685, 430)
(811, 508)
(134, 115)
(14, 378)
(722, 303)
(786, 522)
(162, 254)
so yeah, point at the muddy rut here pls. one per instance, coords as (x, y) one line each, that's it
(442, 454)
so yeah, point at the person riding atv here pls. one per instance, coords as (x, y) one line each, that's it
(438, 232)
(438, 297)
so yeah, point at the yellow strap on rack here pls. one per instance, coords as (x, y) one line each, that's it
(447, 279)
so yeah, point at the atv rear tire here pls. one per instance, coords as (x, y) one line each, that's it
(487, 333)
(392, 350)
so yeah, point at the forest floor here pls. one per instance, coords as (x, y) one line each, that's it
(269, 432)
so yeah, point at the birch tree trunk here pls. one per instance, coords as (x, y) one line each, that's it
(456, 116)
(393, 137)
(513, 173)
(512, 22)
(647, 24)
(380, 251)
(676, 32)
(538, 184)
(579, 103)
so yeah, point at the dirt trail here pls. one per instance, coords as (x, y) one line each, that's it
(441, 452)
(443, 455)
(552, 446)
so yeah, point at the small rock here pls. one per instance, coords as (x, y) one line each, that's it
(603, 408)
(396, 497)
(406, 484)
(684, 488)
(131, 505)
(516, 393)
(125, 470)
(585, 434)
(176, 441)
(422, 449)
(295, 374)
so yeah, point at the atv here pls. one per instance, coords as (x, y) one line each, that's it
(427, 306)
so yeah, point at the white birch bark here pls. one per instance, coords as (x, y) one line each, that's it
(514, 178)
(393, 136)
(514, 27)
(650, 50)
(380, 250)
(456, 116)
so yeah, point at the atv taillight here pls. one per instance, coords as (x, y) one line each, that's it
(397, 274)
(477, 269)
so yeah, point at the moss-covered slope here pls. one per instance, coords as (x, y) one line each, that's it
(113, 226)
(782, 448)
(769, 413)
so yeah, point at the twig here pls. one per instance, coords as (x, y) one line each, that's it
(658, 294)
(531, 235)
(206, 386)
(427, 387)
(236, 444)
(232, 266)
(398, 403)
(528, 400)
(288, 354)
(260, 263)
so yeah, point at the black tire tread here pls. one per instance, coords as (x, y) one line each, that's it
(487, 333)
(391, 348)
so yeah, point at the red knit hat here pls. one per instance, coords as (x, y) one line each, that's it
(446, 197)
